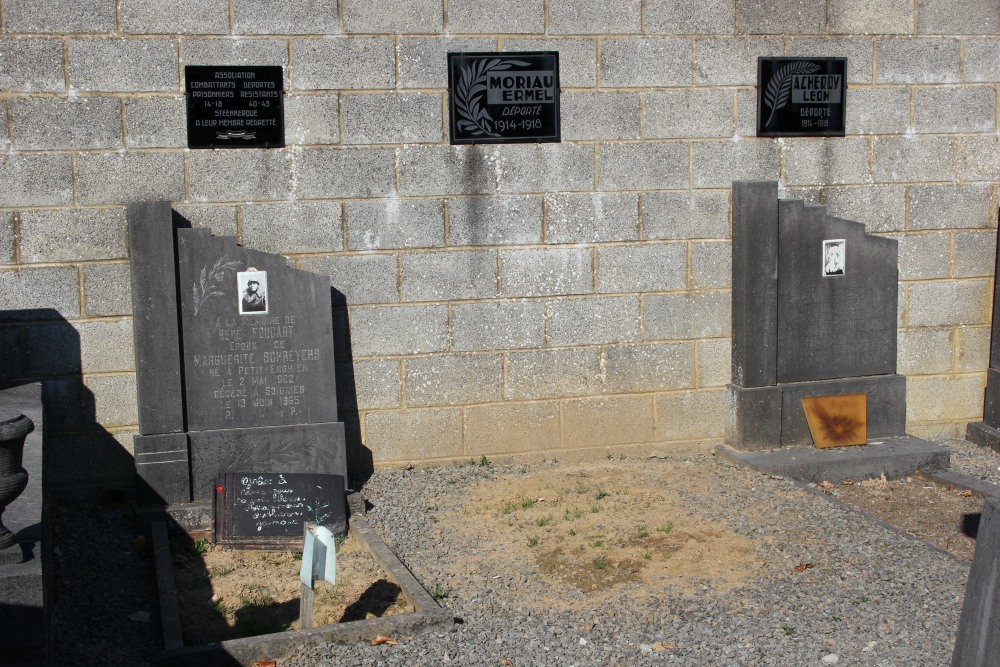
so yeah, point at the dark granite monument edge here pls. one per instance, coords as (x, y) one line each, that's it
(427, 614)
(977, 643)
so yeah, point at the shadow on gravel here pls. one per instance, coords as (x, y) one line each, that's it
(970, 524)
(375, 601)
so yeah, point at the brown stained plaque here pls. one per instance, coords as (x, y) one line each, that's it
(837, 421)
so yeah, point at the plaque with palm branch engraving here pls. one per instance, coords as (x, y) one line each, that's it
(801, 97)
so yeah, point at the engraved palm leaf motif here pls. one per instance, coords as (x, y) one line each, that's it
(469, 94)
(210, 281)
(780, 87)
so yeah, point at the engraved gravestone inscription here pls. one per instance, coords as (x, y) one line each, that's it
(504, 97)
(234, 107)
(801, 97)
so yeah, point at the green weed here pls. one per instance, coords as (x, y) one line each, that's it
(602, 494)
(532, 541)
(788, 629)
(440, 592)
(543, 520)
(643, 531)
(601, 563)
(666, 528)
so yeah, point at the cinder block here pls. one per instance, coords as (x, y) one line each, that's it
(220, 220)
(345, 172)
(155, 122)
(686, 315)
(923, 256)
(395, 223)
(552, 373)
(914, 158)
(312, 119)
(944, 398)
(642, 267)
(189, 17)
(106, 346)
(7, 238)
(386, 330)
(36, 180)
(979, 59)
(924, 351)
(948, 17)
(591, 218)
(443, 276)
(605, 115)
(770, 17)
(645, 62)
(360, 277)
(285, 17)
(955, 109)
(918, 60)
(718, 163)
(510, 17)
(746, 112)
(688, 113)
(975, 254)
(60, 16)
(423, 60)
(714, 363)
(711, 264)
(244, 175)
(527, 168)
(882, 208)
(973, 349)
(414, 434)
(593, 320)
(493, 221)
(43, 350)
(293, 227)
(820, 161)
(980, 158)
(577, 57)
(689, 214)
(344, 63)
(447, 170)
(512, 427)
(490, 325)
(697, 415)
(392, 118)
(114, 178)
(858, 52)
(238, 52)
(453, 379)
(728, 61)
(123, 65)
(372, 384)
(947, 303)
(645, 166)
(546, 272)
(72, 235)
(107, 289)
(114, 399)
(401, 17)
(687, 17)
(951, 207)
(610, 420)
(848, 17)
(31, 65)
(878, 111)
(640, 368)
(593, 17)
(43, 123)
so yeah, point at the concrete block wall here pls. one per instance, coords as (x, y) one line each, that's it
(498, 299)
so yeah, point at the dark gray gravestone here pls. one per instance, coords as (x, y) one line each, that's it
(987, 432)
(978, 641)
(245, 354)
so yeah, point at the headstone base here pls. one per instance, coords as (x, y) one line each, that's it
(983, 435)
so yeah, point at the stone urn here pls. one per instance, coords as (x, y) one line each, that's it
(14, 428)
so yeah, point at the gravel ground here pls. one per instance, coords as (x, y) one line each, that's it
(874, 597)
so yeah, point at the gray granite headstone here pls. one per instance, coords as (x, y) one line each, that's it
(234, 361)
(814, 313)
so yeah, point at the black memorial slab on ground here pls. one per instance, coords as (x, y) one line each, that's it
(987, 432)
(814, 314)
(234, 364)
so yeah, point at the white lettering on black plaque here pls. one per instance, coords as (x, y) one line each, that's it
(503, 97)
(235, 107)
(801, 97)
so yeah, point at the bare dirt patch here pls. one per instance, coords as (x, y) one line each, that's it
(597, 526)
(946, 517)
(226, 594)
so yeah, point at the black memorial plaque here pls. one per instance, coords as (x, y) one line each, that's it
(265, 510)
(499, 98)
(235, 107)
(801, 97)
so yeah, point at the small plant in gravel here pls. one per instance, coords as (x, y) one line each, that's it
(440, 592)
(648, 555)
(788, 629)
(597, 541)
(527, 504)
(595, 508)
(543, 520)
(219, 607)
(643, 531)
(582, 489)
(602, 494)
(601, 563)
(571, 514)
(572, 533)
(532, 541)
(224, 570)
(836, 617)
(256, 597)
(666, 528)
(863, 598)
(485, 463)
